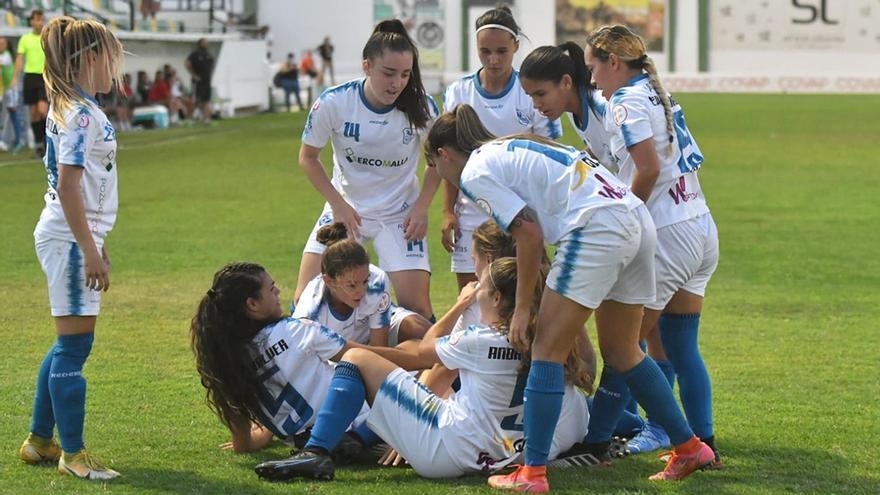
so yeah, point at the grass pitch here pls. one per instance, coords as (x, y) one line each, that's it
(789, 333)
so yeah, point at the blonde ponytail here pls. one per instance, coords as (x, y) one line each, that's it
(651, 70)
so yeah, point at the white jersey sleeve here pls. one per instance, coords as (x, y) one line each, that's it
(633, 118)
(322, 120)
(488, 190)
(470, 316)
(379, 296)
(460, 350)
(319, 340)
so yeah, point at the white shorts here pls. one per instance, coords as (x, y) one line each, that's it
(404, 414)
(63, 264)
(686, 258)
(572, 426)
(611, 257)
(398, 315)
(462, 260)
(395, 252)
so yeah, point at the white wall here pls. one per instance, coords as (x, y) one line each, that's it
(242, 74)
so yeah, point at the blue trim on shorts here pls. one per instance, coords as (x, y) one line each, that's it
(424, 412)
(568, 262)
(75, 282)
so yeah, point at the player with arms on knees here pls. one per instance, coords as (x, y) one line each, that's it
(477, 430)
(494, 91)
(265, 374)
(539, 191)
(558, 81)
(374, 124)
(659, 158)
(352, 298)
(82, 58)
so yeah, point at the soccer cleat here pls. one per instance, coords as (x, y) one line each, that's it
(303, 464)
(652, 437)
(526, 479)
(585, 455)
(716, 463)
(83, 465)
(38, 450)
(681, 465)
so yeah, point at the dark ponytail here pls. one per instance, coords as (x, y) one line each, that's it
(413, 101)
(342, 253)
(460, 129)
(220, 333)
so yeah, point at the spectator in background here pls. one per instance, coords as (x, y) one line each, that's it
(200, 65)
(149, 8)
(142, 89)
(160, 94)
(125, 103)
(31, 56)
(288, 79)
(11, 97)
(326, 51)
(307, 67)
(179, 99)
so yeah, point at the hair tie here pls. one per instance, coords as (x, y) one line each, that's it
(498, 26)
(212, 293)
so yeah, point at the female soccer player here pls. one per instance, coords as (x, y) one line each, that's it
(477, 430)
(351, 296)
(495, 93)
(82, 58)
(659, 158)
(265, 374)
(541, 191)
(558, 81)
(375, 124)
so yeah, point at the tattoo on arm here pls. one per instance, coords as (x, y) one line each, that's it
(525, 215)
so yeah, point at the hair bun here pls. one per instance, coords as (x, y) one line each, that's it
(390, 26)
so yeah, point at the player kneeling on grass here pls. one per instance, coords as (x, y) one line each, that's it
(266, 374)
(82, 58)
(477, 430)
(352, 296)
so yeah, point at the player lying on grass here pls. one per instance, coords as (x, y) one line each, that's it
(352, 296)
(266, 374)
(477, 430)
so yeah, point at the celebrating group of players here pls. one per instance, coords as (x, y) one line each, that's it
(502, 377)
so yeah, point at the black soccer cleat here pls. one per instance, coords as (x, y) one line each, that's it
(304, 464)
(598, 454)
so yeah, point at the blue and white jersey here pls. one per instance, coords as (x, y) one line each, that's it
(373, 312)
(292, 360)
(86, 139)
(509, 112)
(591, 127)
(564, 186)
(635, 113)
(375, 150)
(486, 413)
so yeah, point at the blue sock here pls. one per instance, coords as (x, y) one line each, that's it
(67, 387)
(543, 404)
(366, 435)
(608, 404)
(43, 422)
(343, 403)
(650, 388)
(669, 372)
(632, 406)
(679, 335)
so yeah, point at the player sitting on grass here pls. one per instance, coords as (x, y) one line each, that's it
(477, 430)
(266, 374)
(352, 298)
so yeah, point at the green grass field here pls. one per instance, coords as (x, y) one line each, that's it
(790, 328)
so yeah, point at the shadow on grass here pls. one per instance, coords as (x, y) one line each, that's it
(764, 469)
(157, 480)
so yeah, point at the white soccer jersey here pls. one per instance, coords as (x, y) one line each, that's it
(509, 112)
(375, 150)
(562, 185)
(85, 139)
(483, 425)
(591, 127)
(292, 360)
(373, 312)
(634, 114)
(470, 316)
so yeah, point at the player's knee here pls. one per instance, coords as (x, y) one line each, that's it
(357, 356)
